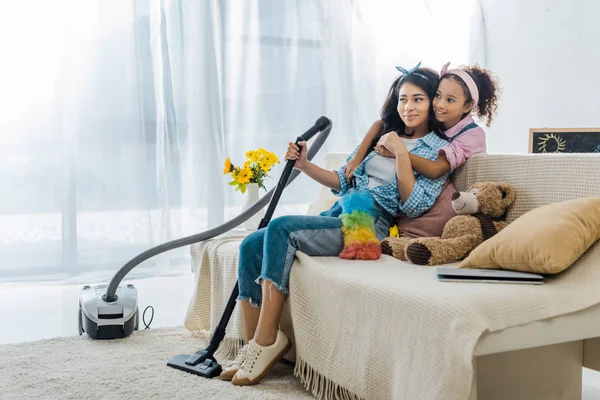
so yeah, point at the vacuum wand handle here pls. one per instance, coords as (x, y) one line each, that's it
(320, 125)
(289, 166)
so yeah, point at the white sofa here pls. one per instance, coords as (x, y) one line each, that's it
(541, 359)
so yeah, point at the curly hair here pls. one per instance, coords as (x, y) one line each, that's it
(489, 91)
(389, 112)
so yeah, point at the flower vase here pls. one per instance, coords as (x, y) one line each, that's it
(251, 198)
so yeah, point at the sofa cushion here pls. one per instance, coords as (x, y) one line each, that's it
(321, 203)
(545, 240)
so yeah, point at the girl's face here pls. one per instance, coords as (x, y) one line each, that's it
(413, 106)
(449, 103)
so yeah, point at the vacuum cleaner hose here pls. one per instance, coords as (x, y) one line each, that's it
(323, 125)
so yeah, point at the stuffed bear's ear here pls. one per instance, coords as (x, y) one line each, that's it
(508, 194)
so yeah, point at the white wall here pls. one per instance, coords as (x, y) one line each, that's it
(547, 55)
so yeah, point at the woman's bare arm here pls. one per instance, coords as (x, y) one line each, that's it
(323, 176)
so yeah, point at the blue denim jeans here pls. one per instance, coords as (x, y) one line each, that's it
(269, 252)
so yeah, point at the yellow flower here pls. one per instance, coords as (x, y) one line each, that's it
(253, 155)
(227, 166)
(265, 166)
(270, 159)
(247, 164)
(394, 231)
(244, 176)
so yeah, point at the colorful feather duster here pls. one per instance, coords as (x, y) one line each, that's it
(358, 227)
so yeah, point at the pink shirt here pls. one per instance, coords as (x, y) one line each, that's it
(465, 145)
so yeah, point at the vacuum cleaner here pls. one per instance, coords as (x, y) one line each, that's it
(111, 311)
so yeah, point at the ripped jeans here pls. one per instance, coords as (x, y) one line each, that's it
(269, 252)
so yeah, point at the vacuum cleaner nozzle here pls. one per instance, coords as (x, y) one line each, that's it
(197, 364)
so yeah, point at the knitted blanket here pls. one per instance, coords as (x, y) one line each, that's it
(214, 263)
(392, 330)
(389, 330)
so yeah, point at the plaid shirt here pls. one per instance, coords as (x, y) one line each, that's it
(425, 190)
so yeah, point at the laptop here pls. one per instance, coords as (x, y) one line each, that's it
(449, 274)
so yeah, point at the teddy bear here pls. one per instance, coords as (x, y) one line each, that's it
(480, 215)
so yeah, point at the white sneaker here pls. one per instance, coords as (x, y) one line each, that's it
(260, 360)
(232, 367)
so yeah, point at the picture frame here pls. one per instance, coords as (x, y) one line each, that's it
(564, 140)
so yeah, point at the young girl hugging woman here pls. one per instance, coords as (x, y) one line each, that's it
(462, 93)
(267, 255)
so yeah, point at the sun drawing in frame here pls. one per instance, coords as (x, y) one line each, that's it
(551, 143)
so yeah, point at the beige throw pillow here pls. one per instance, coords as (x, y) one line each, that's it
(545, 240)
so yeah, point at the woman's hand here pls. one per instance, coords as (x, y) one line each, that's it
(350, 167)
(394, 144)
(323, 176)
(298, 153)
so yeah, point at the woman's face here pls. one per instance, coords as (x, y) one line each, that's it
(449, 103)
(413, 106)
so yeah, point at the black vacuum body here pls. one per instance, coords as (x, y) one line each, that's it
(108, 320)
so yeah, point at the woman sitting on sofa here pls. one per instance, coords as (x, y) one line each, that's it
(267, 255)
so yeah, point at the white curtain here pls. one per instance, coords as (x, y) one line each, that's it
(117, 115)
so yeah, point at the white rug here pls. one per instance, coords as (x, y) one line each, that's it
(131, 368)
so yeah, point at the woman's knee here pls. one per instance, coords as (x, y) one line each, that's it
(280, 228)
(252, 243)
(282, 224)
(250, 256)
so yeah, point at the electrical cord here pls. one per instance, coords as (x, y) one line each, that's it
(147, 325)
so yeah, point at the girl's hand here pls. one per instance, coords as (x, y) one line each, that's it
(350, 167)
(298, 153)
(394, 144)
(379, 149)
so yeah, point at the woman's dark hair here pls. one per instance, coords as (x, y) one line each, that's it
(425, 78)
(487, 85)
